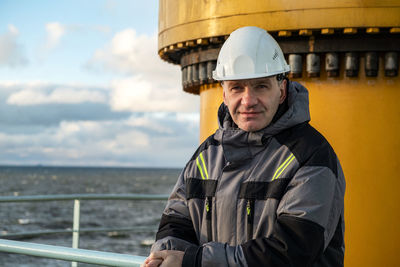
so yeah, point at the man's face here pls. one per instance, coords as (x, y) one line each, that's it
(253, 103)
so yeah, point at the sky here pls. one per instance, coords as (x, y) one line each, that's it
(81, 84)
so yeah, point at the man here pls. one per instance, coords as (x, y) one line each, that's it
(266, 189)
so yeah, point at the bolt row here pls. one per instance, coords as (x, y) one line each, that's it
(351, 63)
(197, 74)
(330, 31)
(201, 73)
(167, 53)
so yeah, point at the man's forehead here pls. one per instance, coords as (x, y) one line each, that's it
(251, 81)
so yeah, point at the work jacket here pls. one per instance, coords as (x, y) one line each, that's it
(268, 198)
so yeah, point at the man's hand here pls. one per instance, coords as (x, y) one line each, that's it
(164, 258)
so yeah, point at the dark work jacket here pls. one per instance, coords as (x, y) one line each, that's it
(267, 198)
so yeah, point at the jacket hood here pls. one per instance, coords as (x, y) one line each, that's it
(241, 145)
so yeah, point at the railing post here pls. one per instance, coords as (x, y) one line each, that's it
(75, 228)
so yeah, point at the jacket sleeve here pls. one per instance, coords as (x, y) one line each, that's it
(307, 217)
(176, 230)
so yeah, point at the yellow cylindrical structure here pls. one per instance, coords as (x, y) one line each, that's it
(361, 119)
(180, 21)
(354, 93)
(210, 100)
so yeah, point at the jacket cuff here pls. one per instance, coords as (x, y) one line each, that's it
(192, 257)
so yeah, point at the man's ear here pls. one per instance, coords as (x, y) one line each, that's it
(283, 91)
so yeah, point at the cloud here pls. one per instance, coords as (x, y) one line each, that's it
(77, 124)
(131, 141)
(11, 52)
(63, 95)
(38, 104)
(13, 30)
(130, 53)
(45, 131)
(54, 33)
(138, 94)
(150, 84)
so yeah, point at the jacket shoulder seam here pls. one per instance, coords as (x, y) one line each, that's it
(309, 146)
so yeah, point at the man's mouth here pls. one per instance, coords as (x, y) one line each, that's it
(250, 114)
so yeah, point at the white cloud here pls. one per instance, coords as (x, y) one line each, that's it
(34, 132)
(131, 53)
(31, 106)
(128, 142)
(54, 33)
(13, 30)
(130, 94)
(138, 94)
(63, 95)
(11, 53)
(146, 122)
(116, 136)
(152, 85)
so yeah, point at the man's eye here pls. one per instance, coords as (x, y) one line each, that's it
(262, 86)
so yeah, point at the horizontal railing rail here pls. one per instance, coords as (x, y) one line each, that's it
(70, 254)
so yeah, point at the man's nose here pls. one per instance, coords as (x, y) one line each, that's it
(249, 98)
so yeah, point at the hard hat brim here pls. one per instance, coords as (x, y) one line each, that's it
(247, 76)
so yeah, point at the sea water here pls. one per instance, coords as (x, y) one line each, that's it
(55, 215)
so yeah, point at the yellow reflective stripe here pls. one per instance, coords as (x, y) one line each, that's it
(204, 164)
(283, 166)
(280, 167)
(198, 166)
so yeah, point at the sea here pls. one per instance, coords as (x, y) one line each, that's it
(55, 215)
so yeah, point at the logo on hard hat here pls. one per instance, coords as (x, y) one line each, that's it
(275, 56)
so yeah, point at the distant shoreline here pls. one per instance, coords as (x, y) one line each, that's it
(89, 167)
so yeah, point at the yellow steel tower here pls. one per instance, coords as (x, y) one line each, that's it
(346, 53)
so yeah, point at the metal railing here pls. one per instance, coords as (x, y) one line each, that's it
(66, 253)
(70, 254)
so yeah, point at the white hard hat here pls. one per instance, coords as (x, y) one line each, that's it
(249, 52)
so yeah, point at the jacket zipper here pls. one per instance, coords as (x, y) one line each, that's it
(208, 218)
(250, 218)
